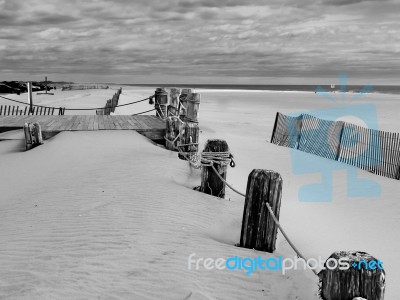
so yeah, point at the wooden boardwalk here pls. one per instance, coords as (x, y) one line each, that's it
(150, 126)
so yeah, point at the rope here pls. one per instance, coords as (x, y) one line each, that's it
(209, 158)
(130, 103)
(273, 217)
(17, 101)
(221, 158)
(143, 112)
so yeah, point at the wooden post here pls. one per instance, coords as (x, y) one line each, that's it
(30, 99)
(33, 135)
(161, 102)
(364, 278)
(189, 140)
(171, 132)
(192, 106)
(174, 102)
(183, 102)
(259, 230)
(210, 182)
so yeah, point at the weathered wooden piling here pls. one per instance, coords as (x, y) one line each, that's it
(364, 278)
(192, 107)
(189, 139)
(259, 231)
(33, 135)
(161, 102)
(172, 133)
(183, 102)
(174, 102)
(210, 182)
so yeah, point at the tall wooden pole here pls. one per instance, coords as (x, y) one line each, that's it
(30, 99)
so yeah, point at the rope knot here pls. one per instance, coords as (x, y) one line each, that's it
(218, 158)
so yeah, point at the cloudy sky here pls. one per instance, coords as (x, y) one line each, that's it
(201, 41)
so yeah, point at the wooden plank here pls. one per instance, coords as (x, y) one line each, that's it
(95, 122)
(70, 123)
(116, 122)
(124, 123)
(110, 123)
(139, 120)
(65, 120)
(11, 121)
(134, 123)
(113, 122)
(85, 122)
(76, 123)
(49, 122)
(131, 125)
(55, 126)
(91, 122)
(43, 122)
(88, 121)
(154, 122)
(107, 122)
(79, 126)
(146, 121)
(101, 122)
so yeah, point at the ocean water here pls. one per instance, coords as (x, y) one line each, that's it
(382, 89)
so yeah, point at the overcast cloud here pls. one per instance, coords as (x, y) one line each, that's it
(200, 41)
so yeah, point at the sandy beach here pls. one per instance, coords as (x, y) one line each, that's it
(110, 215)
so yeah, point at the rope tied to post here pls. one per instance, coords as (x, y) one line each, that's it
(208, 159)
(219, 158)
